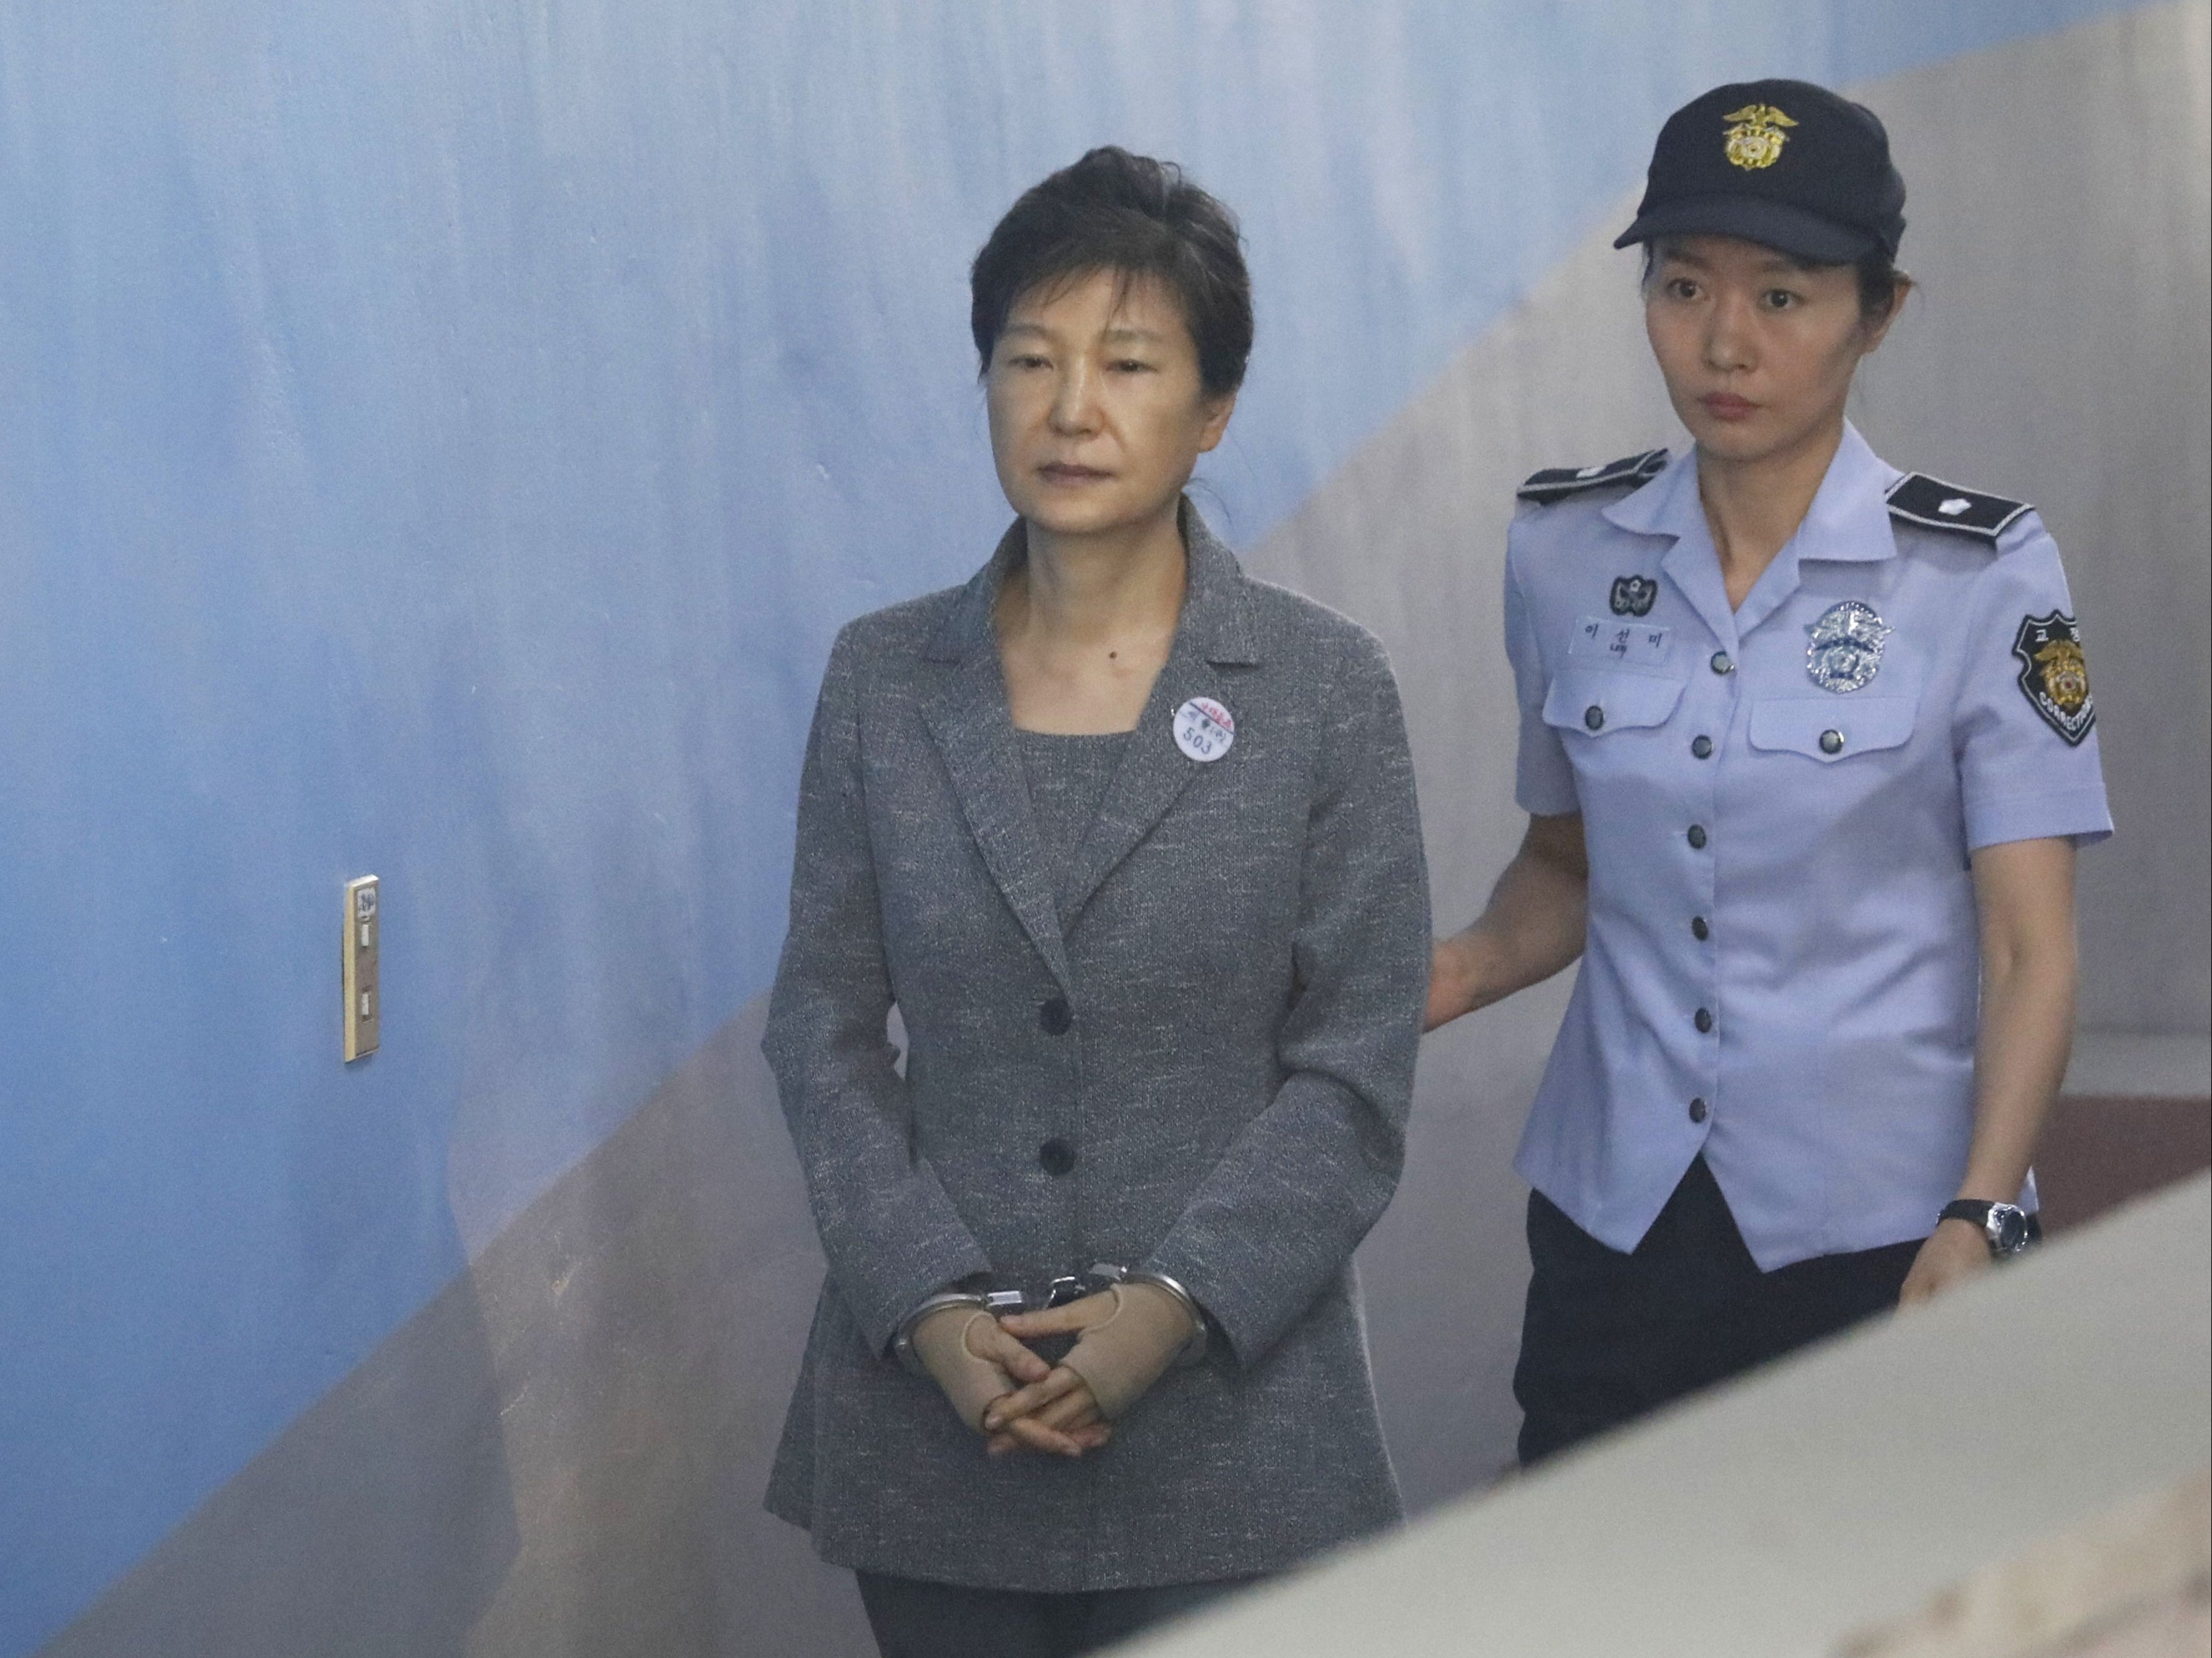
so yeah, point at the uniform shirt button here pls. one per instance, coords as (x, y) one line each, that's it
(1055, 1015)
(1702, 747)
(1697, 1110)
(1832, 741)
(1723, 662)
(1699, 929)
(1594, 716)
(1056, 1157)
(1705, 1020)
(1697, 837)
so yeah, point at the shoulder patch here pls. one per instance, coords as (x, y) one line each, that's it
(2054, 674)
(1935, 505)
(1558, 482)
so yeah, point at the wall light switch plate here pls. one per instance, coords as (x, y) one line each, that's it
(364, 1004)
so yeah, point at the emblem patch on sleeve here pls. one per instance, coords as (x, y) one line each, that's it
(1633, 595)
(2054, 674)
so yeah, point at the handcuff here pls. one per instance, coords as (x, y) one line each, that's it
(1059, 1293)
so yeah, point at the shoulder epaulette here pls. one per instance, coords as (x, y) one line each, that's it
(1558, 482)
(1919, 499)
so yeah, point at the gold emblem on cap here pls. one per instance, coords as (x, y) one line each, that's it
(1755, 136)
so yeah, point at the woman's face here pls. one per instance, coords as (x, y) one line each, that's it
(1097, 416)
(1758, 350)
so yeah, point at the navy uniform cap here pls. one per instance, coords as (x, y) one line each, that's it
(1783, 163)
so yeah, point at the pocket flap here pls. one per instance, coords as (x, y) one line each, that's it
(1595, 702)
(1832, 728)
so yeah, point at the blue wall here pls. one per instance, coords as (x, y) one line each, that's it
(441, 438)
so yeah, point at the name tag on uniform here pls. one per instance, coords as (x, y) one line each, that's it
(1609, 639)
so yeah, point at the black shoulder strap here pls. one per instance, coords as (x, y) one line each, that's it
(1919, 499)
(1558, 482)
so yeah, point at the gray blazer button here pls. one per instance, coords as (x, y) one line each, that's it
(1832, 741)
(1056, 1016)
(1056, 1157)
(1699, 929)
(1704, 1021)
(1702, 747)
(1593, 717)
(1697, 1110)
(1697, 837)
(1723, 662)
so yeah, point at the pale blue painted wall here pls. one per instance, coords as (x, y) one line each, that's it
(441, 439)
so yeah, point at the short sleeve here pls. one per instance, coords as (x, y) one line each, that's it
(1543, 776)
(2025, 727)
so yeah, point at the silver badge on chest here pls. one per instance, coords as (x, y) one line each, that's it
(1845, 652)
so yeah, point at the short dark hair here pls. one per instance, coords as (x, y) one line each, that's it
(1137, 217)
(1880, 280)
(1882, 283)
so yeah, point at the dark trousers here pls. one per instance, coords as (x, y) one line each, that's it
(911, 1618)
(1609, 1336)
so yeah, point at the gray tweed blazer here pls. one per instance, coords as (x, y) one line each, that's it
(1243, 945)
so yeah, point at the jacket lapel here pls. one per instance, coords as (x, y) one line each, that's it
(1213, 629)
(975, 735)
(973, 732)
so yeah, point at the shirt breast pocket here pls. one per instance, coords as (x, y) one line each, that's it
(1598, 703)
(1831, 731)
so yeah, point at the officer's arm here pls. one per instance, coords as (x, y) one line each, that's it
(1532, 928)
(2024, 892)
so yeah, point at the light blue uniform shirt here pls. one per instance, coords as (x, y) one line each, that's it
(1782, 969)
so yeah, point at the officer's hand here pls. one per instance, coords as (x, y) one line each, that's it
(1955, 1251)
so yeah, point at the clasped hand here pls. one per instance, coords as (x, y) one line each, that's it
(1126, 1336)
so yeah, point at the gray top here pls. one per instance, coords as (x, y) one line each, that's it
(1068, 777)
(1191, 1052)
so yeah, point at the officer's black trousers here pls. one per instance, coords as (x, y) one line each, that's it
(1608, 1336)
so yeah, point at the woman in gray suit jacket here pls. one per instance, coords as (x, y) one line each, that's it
(1130, 841)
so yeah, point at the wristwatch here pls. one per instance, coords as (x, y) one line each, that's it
(2006, 1228)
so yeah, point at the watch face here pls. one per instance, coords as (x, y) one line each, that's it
(2008, 1228)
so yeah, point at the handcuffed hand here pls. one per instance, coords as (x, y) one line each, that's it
(973, 1362)
(1126, 1336)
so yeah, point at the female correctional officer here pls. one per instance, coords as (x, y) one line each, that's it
(1807, 746)
(1130, 841)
